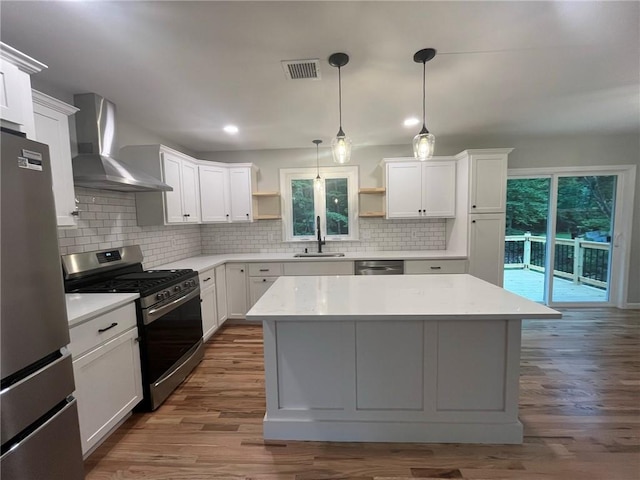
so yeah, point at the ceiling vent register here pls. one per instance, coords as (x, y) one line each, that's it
(301, 69)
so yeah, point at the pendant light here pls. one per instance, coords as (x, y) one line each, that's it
(318, 181)
(424, 141)
(341, 144)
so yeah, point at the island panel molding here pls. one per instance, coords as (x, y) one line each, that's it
(415, 358)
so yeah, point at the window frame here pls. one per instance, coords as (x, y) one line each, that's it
(289, 174)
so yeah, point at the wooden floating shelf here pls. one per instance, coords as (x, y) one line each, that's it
(373, 190)
(372, 214)
(267, 217)
(266, 194)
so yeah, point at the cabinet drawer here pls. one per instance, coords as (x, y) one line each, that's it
(434, 266)
(87, 335)
(207, 278)
(265, 269)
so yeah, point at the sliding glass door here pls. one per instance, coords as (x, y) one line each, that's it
(558, 238)
(584, 227)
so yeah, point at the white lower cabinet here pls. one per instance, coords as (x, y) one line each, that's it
(237, 290)
(208, 302)
(261, 277)
(106, 368)
(319, 268)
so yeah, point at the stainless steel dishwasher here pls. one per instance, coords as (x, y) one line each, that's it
(379, 267)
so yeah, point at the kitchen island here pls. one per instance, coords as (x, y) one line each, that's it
(414, 358)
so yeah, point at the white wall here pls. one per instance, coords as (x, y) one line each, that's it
(529, 152)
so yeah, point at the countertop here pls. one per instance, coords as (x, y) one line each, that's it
(205, 262)
(84, 306)
(393, 297)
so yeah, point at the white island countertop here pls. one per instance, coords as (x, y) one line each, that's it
(205, 262)
(84, 306)
(393, 297)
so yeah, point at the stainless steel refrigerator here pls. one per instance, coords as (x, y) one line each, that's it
(39, 418)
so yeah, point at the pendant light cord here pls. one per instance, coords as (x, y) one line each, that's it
(424, 99)
(340, 96)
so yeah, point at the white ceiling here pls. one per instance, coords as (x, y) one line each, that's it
(183, 70)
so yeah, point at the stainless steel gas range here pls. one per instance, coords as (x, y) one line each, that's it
(168, 312)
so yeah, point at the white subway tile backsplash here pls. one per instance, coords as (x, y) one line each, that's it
(375, 235)
(108, 220)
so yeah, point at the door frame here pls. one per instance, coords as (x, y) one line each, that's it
(622, 228)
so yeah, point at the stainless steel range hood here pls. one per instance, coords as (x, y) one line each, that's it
(95, 167)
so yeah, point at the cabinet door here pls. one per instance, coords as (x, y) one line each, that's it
(13, 84)
(439, 189)
(258, 286)
(488, 186)
(236, 290)
(209, 313)
(486, 247)
(52, 128)
(240, 194)
(404, 190)
(221, 293)
(214, 202)
(190, 192)
(171, 169)
(108, 386)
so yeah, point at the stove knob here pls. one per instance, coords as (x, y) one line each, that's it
(159, 296)
(177, 288)
(166, 294)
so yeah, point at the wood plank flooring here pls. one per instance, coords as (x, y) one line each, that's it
(579, 403)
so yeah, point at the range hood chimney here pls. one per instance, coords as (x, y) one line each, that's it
(95, 167)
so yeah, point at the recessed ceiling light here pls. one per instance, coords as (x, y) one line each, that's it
(231, 129)
(411, 122)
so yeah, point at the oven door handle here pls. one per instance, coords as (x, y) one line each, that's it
(153, 314)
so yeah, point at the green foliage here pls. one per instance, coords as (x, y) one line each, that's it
(584, 204)
(337, 205)
(303, 208)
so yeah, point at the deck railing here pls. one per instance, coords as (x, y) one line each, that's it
(579, 260)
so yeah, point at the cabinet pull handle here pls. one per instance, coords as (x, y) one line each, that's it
(207, 279)
(264, 269)
(473, 221)
(264, 279)
(435, 268)
(102, 330)
(75, 213)
(241, 270)
(473, 206)
(227, 215)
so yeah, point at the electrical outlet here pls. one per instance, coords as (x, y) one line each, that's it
(414, 234)
(271, 237)
(174, 242)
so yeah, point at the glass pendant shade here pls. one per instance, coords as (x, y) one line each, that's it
(341, 148)
(423, 144)
(317, 183)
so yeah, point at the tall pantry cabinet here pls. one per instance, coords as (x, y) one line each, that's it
(487, 203)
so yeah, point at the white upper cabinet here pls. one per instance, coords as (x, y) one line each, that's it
(240, 194)
(420, 189)
(488, 183)
(182, 205)
(214, 195)
(51, 118)
(486, 247)
(226, 192)
(16, 104)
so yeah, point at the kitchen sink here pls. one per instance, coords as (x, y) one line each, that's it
(306, 255)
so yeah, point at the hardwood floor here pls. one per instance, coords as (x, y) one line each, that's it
(579, 403)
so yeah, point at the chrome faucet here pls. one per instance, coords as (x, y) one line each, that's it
(320, 241)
